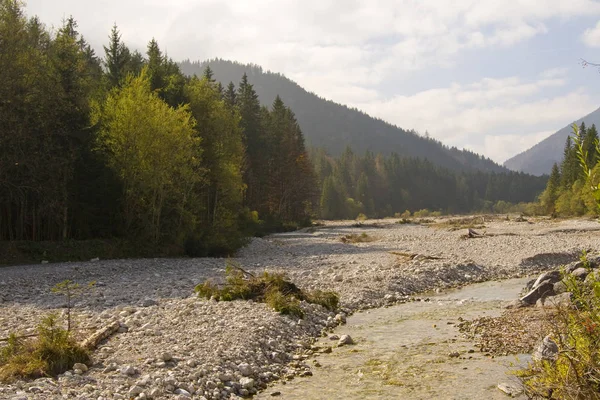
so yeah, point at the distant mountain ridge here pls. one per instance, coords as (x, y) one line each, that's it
(334, 126)
(538, 160)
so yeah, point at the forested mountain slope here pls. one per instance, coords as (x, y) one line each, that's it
(334, 126)
(539, 159)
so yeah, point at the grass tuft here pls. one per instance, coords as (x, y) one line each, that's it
(273, 289)
(52, 352)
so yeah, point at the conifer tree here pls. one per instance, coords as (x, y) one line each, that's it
(116, 59)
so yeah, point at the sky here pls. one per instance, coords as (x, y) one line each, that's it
(493, 76)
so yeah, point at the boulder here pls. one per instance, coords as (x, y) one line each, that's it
(344, 340)
(580, 273)
(560, 287)
(560, 300)
(552, 276)
(511, 389)
(545, 288)
(546, 351)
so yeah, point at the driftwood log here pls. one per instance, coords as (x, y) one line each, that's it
(92, 341)
(474, 234)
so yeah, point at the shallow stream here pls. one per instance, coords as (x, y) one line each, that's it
(403, 352)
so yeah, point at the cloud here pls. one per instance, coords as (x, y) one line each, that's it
(591, 36)
(345, 51)
(488, 115)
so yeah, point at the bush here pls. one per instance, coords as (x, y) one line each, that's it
(575, 374)
(329, 300)
(361, 217)
(354, 238)
(271, 288)
(286, 305)
(421, 213)
(53, 352)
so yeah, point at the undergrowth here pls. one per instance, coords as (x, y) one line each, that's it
(270, 288)
(575, 374)
(52, 352)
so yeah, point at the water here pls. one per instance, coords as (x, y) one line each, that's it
(402, 352)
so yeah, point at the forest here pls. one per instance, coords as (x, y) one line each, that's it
(125, 145)
(568, 191)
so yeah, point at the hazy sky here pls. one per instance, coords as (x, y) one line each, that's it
(494, 76)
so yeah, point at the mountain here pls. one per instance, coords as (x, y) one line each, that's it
(334, 126)
(539, 159)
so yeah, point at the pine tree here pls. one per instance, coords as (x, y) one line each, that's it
(550, 195)
(590, 143)
(230, 96)
(569, 170)
(116, 59)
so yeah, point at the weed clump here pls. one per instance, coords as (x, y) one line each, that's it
(270, 288)
(52, 352)
(355, 238)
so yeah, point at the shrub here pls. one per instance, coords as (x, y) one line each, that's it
(361, 217)
(355, 238)
(422, 213)
(575, 374)
(53, 352)
(329, 300)
(286, 305)
(271, 288)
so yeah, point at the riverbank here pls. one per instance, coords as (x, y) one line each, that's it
(175, 343)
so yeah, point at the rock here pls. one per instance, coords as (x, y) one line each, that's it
(344, 340)
(334, 337)
(245, 369)
(547, 350)
(111, 367)
(77, 371)
(560, 287)
(182, 392)
(560, 300)
(149, 302)
(454, 354)
(166, 356)
(275, 394)
(247, 383)
(580, 273)
(95, 259)
(128, 370)
(511, 389)
(81, 367)
(135, 390)
(552, 276)
(340, 318)
(545, 288)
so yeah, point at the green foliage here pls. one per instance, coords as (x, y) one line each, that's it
(361, 217)
(154, 150)
(587, 149)
(52, 352)
(576, 372)
(271, 288)
(286, 305)
(424, 213)
(329, 300)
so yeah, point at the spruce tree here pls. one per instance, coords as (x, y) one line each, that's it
(116, 58)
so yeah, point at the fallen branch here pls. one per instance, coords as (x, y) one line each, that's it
(412, 256)
(92, 341)
(472, 234)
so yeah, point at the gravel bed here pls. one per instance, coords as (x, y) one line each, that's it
(173, 345)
